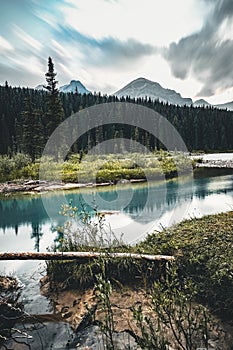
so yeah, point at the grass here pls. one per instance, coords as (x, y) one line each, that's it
(203, 248)
(95, 168)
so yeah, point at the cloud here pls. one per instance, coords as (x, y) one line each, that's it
(27, 39)
(5, 45)
(9, 72)
(207, 54)
(108, 51)
(130, 48)
(114, 52)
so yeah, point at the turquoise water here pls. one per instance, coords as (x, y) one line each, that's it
(27, 223)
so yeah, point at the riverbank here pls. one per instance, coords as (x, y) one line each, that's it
(203, 250)
(218, 163)
(37, 186)
(47, 174)
(111, 169)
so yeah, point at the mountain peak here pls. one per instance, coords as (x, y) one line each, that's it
(71, 87)
(201, 103)
(40, 87)
(142, 87)
(227, 105)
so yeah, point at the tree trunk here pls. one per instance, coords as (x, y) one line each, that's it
(80, 255)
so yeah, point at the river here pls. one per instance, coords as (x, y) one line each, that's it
(28, 223)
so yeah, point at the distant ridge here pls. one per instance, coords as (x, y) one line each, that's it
(201, 103)
(71, 87)
(40, 87)
(227, 105)
(142, 87)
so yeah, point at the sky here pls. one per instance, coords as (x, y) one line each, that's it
(185, 45)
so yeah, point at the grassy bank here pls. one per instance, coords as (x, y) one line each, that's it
(179, 303)
(203, 250)
(96, 168)
(204, 253)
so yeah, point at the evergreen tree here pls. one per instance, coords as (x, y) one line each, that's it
(4, 135)
(55, 112)
(32, 136)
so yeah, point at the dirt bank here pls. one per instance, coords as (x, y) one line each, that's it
(37, 186)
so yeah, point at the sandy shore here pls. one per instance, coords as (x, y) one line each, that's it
(37, 186)
(220, 163)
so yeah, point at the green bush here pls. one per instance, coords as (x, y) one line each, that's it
(11, 167)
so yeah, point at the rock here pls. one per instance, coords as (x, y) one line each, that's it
(91, 338)
(8, 283)
(51, 336)
(67, 315)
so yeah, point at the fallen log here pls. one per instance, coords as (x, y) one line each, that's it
(81, 255)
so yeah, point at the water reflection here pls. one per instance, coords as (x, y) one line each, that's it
(36, 235)
(27, 214)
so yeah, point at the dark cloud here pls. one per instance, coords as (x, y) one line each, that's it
(106, 51)
(116, 52)
(223, 10)
(205, 54)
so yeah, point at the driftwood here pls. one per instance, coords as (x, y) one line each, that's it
(80, 255)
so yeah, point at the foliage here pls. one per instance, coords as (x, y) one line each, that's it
(204, 252)
(103, 290)
(102, 168)
(11, 167)
(115, 167)
(173, 311)
(174, 304)
(89, 232)
(151, 331)
(55, 111)
(11, 310)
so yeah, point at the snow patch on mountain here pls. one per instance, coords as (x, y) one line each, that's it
(40, 87)
(141, 88)
(73, 86)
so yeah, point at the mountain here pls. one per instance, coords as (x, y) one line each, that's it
(71, 87)
(40, 87)
(228, 105)
(201, 103)
(142, 87)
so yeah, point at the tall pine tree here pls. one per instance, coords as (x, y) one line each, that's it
(55, 112)
(32, 135)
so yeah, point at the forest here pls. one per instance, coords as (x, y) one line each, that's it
(29, 116)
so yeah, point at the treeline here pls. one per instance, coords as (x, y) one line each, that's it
(27, 120)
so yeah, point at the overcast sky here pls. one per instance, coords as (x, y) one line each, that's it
(186, 45)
